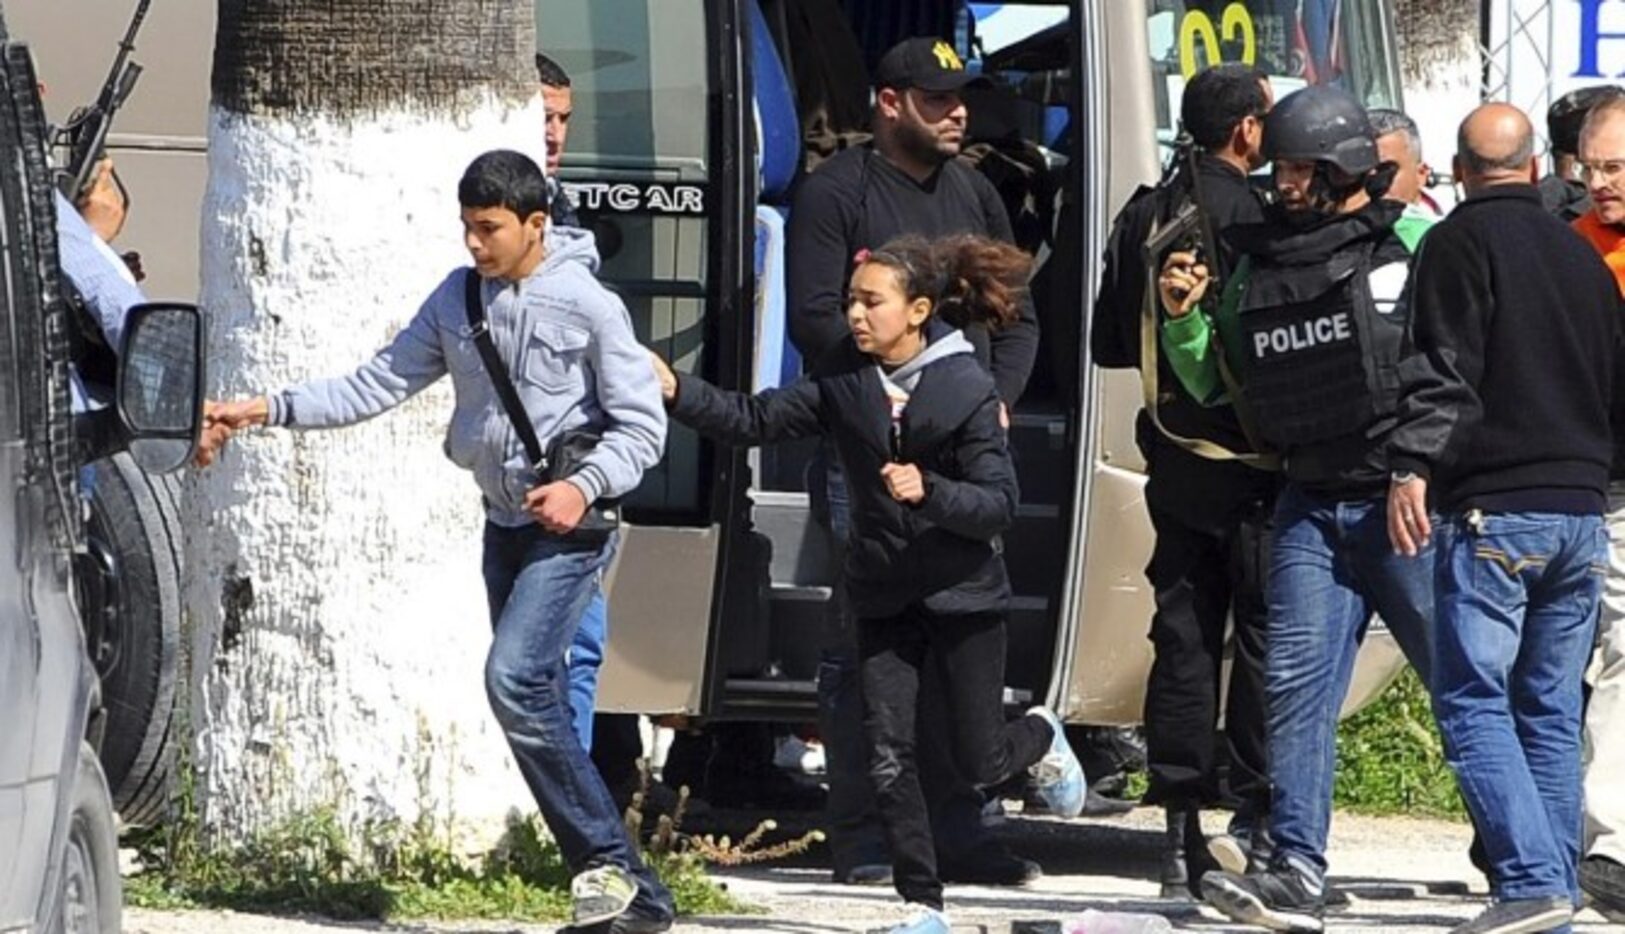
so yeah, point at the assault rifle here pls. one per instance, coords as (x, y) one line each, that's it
(84, 136)
(1186, 227)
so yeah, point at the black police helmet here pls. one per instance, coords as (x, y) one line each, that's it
(1321, 123)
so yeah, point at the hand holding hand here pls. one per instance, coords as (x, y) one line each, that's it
(904, 482)
(221, 420)
(1182, 284)
(668, 379)
(557, 506)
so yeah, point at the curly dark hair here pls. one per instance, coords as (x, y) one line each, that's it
(969, 279)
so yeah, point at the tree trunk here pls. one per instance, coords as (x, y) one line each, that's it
(1441, 68)
(340, 620)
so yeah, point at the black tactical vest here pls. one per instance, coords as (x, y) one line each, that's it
(1321, 361)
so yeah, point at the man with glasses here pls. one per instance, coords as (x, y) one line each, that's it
(1210, 516)
(1602, 874)
(1563, 192)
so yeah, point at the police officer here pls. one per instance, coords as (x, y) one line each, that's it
(1310, 332)
(1208, 514)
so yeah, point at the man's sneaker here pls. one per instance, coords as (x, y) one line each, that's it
(1229, 852)
(922, 920)
(601, 894)
(1278, 899)
(1058, 775)
(1604, 880)
(631, 921)
(794, 754)
(1524, 916)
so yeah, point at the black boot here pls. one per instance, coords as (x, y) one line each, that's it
(1184, 855)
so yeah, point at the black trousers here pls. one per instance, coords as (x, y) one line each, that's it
(965, 653)
(1207, 569)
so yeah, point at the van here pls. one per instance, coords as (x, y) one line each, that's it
(693, 121)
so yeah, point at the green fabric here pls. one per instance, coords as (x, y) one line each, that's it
(1411, 225)
(1188, 342)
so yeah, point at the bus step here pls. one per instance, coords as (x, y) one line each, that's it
(800, 593)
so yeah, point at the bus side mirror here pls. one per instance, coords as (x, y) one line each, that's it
(160, 384)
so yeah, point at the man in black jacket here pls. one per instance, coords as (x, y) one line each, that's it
(1209, 515)
(1506, 423)
(907, 181)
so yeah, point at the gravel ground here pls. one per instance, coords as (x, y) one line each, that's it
(1403, 875)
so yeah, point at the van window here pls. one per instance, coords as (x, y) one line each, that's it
(637, 164)
(1297, 44)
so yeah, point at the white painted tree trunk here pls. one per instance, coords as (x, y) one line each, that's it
(1442, 70)
(340, 618)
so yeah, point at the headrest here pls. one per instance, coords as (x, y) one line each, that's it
(778, 125)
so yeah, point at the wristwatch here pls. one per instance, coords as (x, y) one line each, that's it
(1402, 477)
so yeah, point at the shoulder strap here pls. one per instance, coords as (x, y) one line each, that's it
(474, 307)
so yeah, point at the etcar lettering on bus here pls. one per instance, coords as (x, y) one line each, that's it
(1235, 25)
(637, 197)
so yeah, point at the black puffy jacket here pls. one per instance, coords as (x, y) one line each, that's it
(944, 553)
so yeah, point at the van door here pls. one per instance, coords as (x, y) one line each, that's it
(653, 162)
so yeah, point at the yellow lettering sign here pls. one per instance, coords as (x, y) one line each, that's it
(1237, 26)
(947, 57)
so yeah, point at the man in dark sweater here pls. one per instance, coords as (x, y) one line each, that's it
(1210, 515)
(907, 181)
(1517, 325)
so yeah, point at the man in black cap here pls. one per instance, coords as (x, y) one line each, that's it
(1562, 192)
(906, 181)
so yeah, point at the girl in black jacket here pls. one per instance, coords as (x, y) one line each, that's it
(917, 424)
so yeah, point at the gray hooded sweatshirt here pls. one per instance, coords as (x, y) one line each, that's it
(570, 351)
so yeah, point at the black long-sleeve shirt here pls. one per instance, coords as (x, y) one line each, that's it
(1516, 323)
(860, 200)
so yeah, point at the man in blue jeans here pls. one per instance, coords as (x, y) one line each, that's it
(1308, 327)
(1507, 408)
(578, 367)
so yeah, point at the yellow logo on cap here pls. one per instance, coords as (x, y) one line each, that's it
(947, 57)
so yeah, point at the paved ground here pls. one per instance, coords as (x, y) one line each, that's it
(1404, 875)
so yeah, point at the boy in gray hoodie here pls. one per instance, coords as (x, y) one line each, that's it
(568, 346)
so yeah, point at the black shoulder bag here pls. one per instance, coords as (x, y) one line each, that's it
(568, 449)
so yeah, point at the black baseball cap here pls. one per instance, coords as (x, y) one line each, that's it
(927, 63)
(1568, 114)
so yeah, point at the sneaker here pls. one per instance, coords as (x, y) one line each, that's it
(989, 864)
(1604, 880)
(601, 894)
(865, 874)
(1278, 899)
(1059, 776)
(794, 754)
(1524, 916)
(922, 920)
(631, 921)
(1229, 852)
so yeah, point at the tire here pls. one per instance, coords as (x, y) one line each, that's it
(130, 597)
(92, 894)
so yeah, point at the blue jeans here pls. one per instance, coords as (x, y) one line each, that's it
(539, 586)
(1518, 599)
(585, 658)
(1331, 567)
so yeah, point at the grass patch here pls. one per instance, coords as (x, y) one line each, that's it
(313, 863)
(1391, 759)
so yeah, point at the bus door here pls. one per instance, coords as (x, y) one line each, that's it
(652, 164)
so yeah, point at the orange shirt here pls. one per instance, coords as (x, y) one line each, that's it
(1609, 241)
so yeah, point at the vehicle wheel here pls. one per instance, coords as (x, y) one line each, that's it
(130, 599)
(92, 900)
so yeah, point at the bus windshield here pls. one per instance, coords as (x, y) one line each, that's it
(1296, 42)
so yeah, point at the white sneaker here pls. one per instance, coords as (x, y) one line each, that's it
(921, 920)
(793, 754)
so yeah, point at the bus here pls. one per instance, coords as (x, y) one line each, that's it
(693, 121)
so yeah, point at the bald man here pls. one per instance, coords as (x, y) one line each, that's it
(1504, 430)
